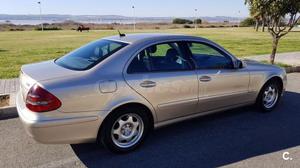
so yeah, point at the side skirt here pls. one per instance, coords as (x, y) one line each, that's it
(175, 120)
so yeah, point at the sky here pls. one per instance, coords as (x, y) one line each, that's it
(143, 8)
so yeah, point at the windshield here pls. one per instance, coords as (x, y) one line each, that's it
(89, 55)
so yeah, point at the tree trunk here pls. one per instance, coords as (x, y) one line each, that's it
(256, 24)
(274, 49)
(263, 25)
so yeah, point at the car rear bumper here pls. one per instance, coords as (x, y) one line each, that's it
(58, 130)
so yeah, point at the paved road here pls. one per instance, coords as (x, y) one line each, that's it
(237, 138)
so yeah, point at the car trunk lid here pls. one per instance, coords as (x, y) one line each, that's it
(38, 72)
(46, 70)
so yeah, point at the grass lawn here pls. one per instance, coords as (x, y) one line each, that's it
(18, 48)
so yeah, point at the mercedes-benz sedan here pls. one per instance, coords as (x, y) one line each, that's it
(116, 89)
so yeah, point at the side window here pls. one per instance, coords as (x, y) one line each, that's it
(208, 57)
(139, 64)
(160, 57)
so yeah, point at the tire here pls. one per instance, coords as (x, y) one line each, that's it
(124, 130)
(269, 96)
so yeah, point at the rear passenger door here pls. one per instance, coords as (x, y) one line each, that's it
(163, 74)
(220, 84)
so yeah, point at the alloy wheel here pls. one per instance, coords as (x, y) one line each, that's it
(270, 96)
(127, 130)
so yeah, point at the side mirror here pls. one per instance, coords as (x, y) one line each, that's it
(239, 64)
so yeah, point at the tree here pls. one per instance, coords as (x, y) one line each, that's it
(198, 21)
(255, 15)
(182, 21)
(276, 12)
(248, 22)
(258, 11)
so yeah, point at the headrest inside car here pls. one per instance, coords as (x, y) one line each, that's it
(152, 49)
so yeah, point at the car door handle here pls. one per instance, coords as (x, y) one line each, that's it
(205, 78)
(148, 84)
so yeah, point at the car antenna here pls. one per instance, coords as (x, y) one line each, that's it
(121, 34)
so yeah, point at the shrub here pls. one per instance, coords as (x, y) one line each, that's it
(198, 21)
(17, 29)
(48, 28)
(247, 22)
(182, 21)
(212, 26)
(187, 26)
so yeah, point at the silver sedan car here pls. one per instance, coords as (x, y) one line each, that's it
(116, 89)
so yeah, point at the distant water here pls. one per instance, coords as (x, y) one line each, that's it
(37, 22)
(27, 22)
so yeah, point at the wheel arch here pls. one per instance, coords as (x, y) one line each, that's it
(150, 113)
(137, 105)
(276, 78)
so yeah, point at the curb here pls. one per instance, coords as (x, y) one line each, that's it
(8, 112)
(292, 69)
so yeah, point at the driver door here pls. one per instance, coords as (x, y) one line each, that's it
(220, 84)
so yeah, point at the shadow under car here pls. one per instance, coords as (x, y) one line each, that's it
(210, 141)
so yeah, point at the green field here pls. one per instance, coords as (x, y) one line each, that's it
(18, 48)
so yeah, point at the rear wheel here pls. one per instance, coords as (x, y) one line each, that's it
(124, 130)
(269, 96)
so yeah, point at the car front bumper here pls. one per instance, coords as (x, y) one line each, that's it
(59, 128)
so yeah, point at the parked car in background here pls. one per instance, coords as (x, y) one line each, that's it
(115, 90)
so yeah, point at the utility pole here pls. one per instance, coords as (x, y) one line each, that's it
(42, 25)
(239, 19)
(195, 20)
(134, 19)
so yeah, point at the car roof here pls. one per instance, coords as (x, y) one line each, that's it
(142, 37)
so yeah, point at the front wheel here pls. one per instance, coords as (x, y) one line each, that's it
(124, 130)
(269, 96)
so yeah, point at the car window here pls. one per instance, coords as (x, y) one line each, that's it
(89, 55)
(207, 57)
(160, 57)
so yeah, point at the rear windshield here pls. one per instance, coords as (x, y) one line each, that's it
(89, 55)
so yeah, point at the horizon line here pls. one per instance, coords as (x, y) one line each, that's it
(121, 15)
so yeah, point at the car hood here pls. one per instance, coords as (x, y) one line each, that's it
(255, 65)
(46, 70)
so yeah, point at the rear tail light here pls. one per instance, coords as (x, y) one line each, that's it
(40, 100)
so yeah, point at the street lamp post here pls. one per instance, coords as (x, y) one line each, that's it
(239, 19)
(42, 25)
(134, 19)
(195, 21)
